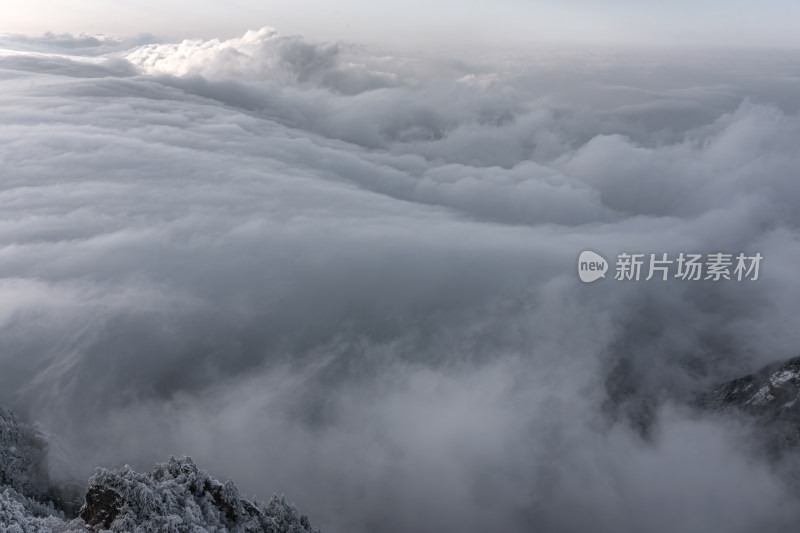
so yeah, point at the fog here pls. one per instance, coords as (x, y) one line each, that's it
(326, 270)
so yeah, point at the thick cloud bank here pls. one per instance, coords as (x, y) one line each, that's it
(350, 276)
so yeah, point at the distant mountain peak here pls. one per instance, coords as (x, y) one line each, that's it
(772, 391)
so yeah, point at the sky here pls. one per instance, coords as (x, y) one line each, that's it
(424, 24)
(348, 275)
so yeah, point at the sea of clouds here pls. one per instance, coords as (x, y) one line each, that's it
(349, 275)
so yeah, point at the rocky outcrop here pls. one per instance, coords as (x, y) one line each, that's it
(772, 392)
(177, 497)
(770, 397)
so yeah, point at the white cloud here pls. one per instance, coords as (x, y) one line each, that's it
(349, 276)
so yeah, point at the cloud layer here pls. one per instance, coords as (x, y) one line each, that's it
(349, 276)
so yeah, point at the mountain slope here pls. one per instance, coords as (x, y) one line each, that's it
(175, 497)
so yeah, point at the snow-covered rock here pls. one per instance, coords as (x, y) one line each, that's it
(178, 497)
(175, 497)
(771, 393)
(28, 501)
(16, 516)
(23, 464)
(769, 399)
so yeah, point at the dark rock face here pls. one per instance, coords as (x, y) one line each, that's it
(177, 497)
(101, 508)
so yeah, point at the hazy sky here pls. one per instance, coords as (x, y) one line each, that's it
(440, 22)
